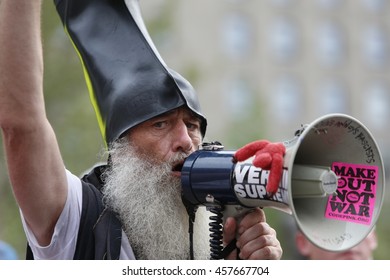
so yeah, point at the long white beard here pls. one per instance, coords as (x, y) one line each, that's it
(148, 201)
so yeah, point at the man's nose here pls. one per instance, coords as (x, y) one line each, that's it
(182, 140)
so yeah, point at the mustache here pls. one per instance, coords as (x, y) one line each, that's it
(177, 161)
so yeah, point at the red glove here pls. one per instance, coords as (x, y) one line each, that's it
(268, 156)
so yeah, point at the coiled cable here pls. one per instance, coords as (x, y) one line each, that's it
(216, 232)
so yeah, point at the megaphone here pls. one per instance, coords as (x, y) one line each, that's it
(332, 183)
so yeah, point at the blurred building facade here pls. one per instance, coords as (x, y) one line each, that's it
(291, 60)
(263, 68)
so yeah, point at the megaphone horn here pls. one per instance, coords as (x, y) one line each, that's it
(332, 182)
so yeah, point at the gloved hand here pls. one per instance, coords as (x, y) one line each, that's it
(268, 156)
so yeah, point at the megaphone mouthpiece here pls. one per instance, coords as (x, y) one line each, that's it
(312, 181)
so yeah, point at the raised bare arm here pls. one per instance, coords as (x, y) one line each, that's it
(34, 162)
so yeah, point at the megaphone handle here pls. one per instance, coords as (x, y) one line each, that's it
(237, 212)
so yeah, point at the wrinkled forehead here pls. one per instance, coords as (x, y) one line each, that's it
(187, 113)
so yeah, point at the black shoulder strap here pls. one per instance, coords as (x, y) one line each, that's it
(99, 227)
(92, 207)
(29, 253)
(108, 236)
(100, 231)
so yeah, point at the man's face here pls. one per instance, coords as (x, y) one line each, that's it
(160, 138)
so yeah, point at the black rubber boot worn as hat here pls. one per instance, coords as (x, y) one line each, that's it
(128, 81)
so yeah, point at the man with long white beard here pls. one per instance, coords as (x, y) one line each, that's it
(143, 193)
(150, 118)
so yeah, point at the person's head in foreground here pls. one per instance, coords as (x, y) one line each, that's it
(363, 251)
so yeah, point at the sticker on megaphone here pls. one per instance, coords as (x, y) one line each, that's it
(355, 197)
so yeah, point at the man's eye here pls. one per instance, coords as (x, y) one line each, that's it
(192, 126)
(160, 124)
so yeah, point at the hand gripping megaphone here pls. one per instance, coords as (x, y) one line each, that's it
(332, 183)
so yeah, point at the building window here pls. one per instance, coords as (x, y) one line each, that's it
(239, 97)
(286, 99)
(284, 39)
(330, 4)
(282, 3)
(376, 105)
(237, 36)
(375, 46)
(332, 98)
(331, 44)
(374, 5)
